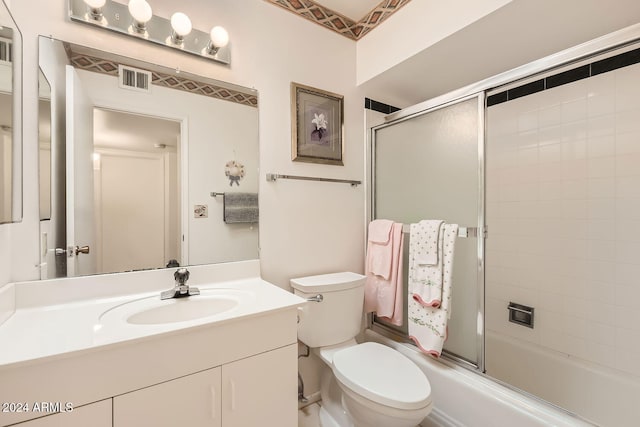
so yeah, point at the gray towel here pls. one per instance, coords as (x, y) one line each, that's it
(240, 207)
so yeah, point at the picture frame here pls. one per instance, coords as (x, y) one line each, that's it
(317, 125)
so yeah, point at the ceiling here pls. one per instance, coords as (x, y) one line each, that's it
(126, 131)
(514, 35)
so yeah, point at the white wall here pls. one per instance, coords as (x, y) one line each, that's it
(299, 233)
(415, 27)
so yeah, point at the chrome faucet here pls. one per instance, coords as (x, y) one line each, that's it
(181, 289)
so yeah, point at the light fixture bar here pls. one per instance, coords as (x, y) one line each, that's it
(116, 17)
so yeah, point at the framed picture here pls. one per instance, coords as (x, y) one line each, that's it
(317, 118)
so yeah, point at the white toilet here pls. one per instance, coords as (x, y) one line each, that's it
(362, 385)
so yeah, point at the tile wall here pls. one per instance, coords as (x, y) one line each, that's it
(563, 214)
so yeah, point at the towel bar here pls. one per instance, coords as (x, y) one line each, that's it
(463, 232)
(216, 194)
(272, 177)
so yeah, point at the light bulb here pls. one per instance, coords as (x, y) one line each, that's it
(140, 11)
(219, 37)
(181, 24)
(95, 4)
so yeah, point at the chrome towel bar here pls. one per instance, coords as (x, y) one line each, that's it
(272, 177)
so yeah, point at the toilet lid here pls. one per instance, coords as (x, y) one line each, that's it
(383, 375)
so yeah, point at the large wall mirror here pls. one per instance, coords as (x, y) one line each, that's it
(10, 118)
(147, 167)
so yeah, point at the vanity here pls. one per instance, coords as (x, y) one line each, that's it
(106, 351)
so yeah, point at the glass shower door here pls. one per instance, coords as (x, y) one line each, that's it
(428, 166)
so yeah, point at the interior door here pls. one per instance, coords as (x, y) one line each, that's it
(80, 203)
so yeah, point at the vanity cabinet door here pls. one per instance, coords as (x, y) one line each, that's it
(95, 415)
(261, 390)
(193, 400)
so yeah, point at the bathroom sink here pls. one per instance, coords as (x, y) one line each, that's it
(154, 311)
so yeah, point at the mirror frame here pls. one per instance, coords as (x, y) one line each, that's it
(17, 123)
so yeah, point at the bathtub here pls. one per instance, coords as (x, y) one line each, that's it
(464, 398)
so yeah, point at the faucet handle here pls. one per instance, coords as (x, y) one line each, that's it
(181, 276)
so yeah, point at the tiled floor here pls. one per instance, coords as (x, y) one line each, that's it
(308, 417)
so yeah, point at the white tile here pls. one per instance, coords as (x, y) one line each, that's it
(528, 191)
(628, 252)
(550, 116)
(627, 209)
(627, 361)
(627, 121)
(628, 165)
(628, 142)
(601, 167)
(574, 326)
(574, 131)
(548, 320)
(627, 317)
(602, 209)
(627, 90)
(628, 340)
(575, 169)
(550, 172)
(601, 188)
(601, 126)
(627, 230)
(528, 173)
(574, 150)
(550, 153)
(601, 333)
(526, 139)
(551, 190)
(600, 229)
(574, 248)
(600, 103)
(554, 340)
(574, 228)
(528, 120)
(551, 301)
(627, 274)
(601, 272)
(575, 188)
(528, 156)
(627, 296)
(576, 346)
(574, 110)
(601, 146)
(603, 250)
(600, 291)
(600, 353)
(627, 187)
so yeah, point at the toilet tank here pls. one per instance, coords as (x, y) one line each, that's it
(338, 317)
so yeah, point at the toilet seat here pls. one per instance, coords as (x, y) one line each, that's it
(382, 375)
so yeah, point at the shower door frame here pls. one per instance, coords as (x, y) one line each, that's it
(478, 364)
(598, 46)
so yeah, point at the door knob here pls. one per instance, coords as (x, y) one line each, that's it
(82, 250)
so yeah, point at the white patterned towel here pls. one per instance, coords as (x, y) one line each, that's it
(425, 262)
(428, 325)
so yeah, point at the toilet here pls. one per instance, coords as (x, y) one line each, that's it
(362, 385)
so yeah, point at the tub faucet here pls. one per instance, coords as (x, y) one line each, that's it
(181, 289)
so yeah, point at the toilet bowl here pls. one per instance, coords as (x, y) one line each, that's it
(362, 385)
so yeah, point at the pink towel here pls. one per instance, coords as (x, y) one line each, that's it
(384, 296)
(380, 248)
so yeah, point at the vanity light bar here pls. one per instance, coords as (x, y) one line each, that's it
(116, 17)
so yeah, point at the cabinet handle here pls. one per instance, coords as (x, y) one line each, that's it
(213, 402)
(233, 395)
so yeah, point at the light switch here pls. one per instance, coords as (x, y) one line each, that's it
(200, 211)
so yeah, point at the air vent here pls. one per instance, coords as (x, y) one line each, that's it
(6, 50)
(134, 79)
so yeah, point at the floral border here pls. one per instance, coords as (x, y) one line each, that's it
(341, 24)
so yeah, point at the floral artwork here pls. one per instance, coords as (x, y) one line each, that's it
(234, 171)
(320, 131)
(317, 125)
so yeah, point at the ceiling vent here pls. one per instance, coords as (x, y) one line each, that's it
(134, 79)
(6, 50)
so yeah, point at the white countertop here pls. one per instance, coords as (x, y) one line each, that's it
(51, 331)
